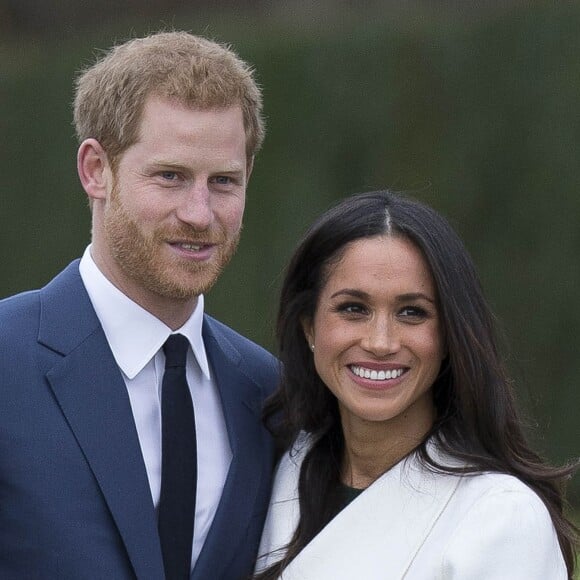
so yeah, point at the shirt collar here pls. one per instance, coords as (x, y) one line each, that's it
(134, 334)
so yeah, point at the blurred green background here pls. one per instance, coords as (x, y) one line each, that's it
(469, 106)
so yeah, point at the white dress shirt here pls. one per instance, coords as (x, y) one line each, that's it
(136, 338)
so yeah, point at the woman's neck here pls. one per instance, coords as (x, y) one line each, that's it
(372, 448)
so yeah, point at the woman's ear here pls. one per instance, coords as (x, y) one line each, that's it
(94, 169)
(308, 332)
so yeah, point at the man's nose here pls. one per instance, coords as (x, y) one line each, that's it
(195, 206)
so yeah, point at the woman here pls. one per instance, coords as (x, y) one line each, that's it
(405, 456)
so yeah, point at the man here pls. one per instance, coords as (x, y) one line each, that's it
(168, 128)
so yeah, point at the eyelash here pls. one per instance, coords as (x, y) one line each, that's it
(417, 311)
(352, 308)
(222, 180)
(173, 178)
(357, 309)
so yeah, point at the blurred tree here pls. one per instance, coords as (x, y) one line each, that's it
(471, 107)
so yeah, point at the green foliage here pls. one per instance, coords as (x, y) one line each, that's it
(474, 115)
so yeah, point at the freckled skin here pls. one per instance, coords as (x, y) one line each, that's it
(379, 307)
(184, 181)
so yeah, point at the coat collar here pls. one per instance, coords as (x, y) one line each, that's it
(241, 399)
(383, 528)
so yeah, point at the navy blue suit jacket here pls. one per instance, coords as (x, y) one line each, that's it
(75, 502)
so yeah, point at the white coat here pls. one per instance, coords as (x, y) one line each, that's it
(413, 524)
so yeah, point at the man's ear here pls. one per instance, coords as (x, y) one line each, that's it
(249, 167)
(94, 169)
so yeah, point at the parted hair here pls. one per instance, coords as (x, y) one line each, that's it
(476, 414)
(111, 93)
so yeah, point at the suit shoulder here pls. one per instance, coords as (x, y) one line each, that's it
(19, 301)
(20, 314)
(23, 306)
(239, 341)
(257, 361)
(20, 323)
(18, 311)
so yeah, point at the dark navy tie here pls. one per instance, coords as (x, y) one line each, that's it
(176, 510)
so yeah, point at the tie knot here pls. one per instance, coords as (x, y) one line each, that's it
(175, 349)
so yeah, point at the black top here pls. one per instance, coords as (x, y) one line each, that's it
(346, 494)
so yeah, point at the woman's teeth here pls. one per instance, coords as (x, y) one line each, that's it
(374, 375)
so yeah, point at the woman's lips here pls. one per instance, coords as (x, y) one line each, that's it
(379, 374)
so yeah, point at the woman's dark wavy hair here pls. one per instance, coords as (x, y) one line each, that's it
(476, 416)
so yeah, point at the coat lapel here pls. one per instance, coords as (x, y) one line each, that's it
(378, 535)
(241, 400)
(93, 397)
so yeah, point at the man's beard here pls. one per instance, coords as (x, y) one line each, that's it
(139, 255)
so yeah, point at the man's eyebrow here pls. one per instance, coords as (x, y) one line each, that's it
(227, 167)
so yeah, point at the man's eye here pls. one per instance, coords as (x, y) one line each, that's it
(169, 175)
(222, 180)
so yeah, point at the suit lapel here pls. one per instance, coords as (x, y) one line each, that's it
(242, 407)
(92, 395)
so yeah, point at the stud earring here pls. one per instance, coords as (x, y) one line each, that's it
(312, 347)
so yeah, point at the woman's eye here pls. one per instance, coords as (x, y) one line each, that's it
(412, 312)
(351, 308)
